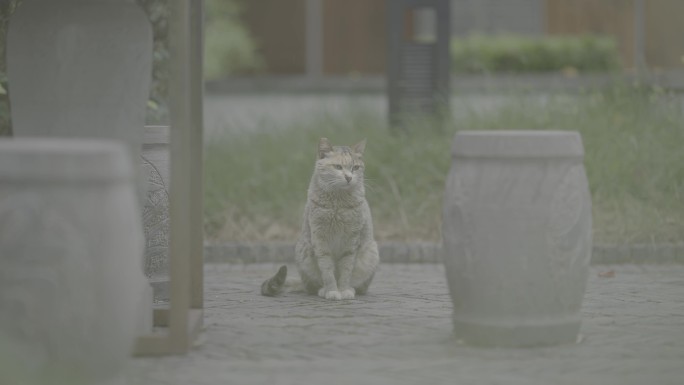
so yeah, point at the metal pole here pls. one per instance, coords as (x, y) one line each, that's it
(639, 37)
(314, 38)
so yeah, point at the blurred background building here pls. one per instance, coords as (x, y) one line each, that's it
(335, 37)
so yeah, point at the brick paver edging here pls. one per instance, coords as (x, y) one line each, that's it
(670, 79)
(427, 252)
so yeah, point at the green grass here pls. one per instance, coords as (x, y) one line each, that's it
(256, 183)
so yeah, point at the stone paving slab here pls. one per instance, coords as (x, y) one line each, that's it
(400, 333)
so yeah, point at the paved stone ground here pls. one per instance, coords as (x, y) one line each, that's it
(400, 333)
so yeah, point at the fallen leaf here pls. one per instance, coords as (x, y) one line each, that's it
(607, 274)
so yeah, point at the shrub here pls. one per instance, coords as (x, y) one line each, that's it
(519, 54)
(229, 46)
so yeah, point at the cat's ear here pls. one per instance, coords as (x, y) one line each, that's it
(359, 147)
(324, 147)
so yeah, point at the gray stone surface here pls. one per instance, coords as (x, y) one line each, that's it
(516, 230)
(70, 62)
(73, 296)
(400, 333)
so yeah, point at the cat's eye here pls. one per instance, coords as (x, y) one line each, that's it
(337, 166)
(356, 168)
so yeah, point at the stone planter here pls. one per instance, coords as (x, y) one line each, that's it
(72, 293)
(156, 166)
(517, 236)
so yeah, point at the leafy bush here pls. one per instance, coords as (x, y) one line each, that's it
(158, 13)
(517, 54)
(229, 46)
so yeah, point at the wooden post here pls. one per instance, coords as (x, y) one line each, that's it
(639, 37)
(181, 190)
(197, 158)
(183, 318)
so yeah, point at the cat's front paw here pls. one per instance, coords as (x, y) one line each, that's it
(348, 293)
(330, 294)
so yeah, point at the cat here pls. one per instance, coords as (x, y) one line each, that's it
(336, 254)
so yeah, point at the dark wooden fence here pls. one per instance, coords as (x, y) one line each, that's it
(353, 35)
(354, 31)
(663, 29)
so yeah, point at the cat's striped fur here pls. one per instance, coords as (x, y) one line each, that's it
(336, 253)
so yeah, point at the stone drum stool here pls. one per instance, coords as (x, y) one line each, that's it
(517, 236)
(71, 244)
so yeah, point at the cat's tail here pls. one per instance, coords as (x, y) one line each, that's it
(275, 285)
(279, 284)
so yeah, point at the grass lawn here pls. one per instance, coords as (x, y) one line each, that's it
(256, 182)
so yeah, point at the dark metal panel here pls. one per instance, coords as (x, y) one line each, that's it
(417, 71)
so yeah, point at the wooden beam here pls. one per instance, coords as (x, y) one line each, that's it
(196, 158)
(183, 318)
(180, 194)
(639, 37)
(152, 345)
(195, 323)
(159, 343)
(160, 316)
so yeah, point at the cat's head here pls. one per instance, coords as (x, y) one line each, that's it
(340, 167)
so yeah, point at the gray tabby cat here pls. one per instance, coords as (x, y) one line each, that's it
(336, 254)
